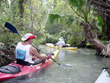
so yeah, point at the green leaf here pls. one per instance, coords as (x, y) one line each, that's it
(74, 3)
(70, 20)
(100, 21)
(88, 44)
(85, 15)
(52, 17)
(79, 4)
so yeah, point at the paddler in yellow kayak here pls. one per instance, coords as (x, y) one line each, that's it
(61, 43)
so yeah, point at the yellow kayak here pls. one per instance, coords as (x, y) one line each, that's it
(65, 48)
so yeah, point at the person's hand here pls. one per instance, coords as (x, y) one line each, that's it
(33, 58)
(49, 56)
(43, 61)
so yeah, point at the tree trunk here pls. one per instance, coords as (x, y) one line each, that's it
(101, 49)
(21, 8)
(21, 11)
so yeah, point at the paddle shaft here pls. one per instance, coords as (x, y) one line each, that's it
(45, 54)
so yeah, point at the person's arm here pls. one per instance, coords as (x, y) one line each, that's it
(34, 52)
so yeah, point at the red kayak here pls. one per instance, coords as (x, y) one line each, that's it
(14, 70)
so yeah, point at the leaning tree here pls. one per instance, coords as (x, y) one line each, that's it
(95, 20)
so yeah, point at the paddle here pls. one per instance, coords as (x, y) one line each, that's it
(13, 29)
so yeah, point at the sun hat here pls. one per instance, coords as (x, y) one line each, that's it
(28, 36)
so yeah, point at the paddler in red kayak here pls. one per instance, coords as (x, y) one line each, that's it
(25, 51)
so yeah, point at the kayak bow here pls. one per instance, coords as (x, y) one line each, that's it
(104, 77)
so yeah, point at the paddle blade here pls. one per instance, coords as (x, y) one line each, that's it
(66, 65)
(11, 27)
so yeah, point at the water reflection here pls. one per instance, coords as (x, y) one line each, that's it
(62, 54)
